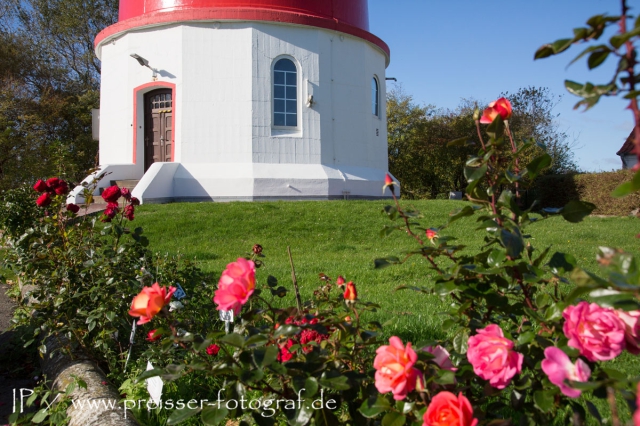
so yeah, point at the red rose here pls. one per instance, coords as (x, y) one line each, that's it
(135, 201)
(125, 193)
(53, 183)
(213, 350)
(40, 186)
(62, 188)
(111, 194)
(44, 200)
(128, 212)
(74, 208)
(111, 212)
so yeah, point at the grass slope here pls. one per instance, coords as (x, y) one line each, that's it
(343, 238)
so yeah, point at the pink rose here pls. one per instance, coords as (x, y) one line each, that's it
(558, 367)
(441, 357)
(149, 302)
(394, 368)
(445, 409)
(492, 356)
(501, 107)
(598, 333)
(236, 285)
(631, 330)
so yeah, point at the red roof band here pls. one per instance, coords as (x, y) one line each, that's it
(347, 16)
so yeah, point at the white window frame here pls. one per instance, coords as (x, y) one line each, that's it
(298, 97)
(375, 98)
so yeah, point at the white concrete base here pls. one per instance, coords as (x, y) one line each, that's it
(104, 175)
(168, 182)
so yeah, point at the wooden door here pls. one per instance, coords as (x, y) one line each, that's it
(158, 132)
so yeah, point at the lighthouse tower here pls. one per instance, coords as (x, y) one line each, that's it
(207, 100)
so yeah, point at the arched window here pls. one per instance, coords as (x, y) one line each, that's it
(285, 94)
(374, 97)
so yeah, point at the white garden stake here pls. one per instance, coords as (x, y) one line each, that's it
(227, 317)
(131, 338)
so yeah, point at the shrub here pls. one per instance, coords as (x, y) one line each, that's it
(596, 188)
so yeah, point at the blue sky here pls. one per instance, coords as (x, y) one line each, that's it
(443, 51)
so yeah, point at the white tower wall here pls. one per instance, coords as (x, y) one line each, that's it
(224, 142)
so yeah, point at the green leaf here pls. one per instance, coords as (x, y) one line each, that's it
(594, 412)
(272, 281)
(325, 417)
(149, 373)
(212, 415)
(459, 142)
(512, 242)
(561, 45)
(256, 340)
(597, 58)
(587, 51)
(40, 416)
(445, 377)
(544, 52)
(623, 190)
(576, 210)
(464, 212)
(627, 187)
(385, 262)
(561, 263)
(538, 164)
(233, 339)
(300, 417)
(179, 416)
(496, 129)
(554, 312)
(393, 418)
(526, 337)
(473, 174)
(264, 357)
(373, 406)
(337, 383)
(310, 387)
(460, 342)
(543, 400)
(391, 211)
(286, 330)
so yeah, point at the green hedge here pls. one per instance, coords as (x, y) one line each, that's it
(557, 190)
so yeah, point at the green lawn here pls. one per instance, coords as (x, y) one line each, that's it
(343, 238)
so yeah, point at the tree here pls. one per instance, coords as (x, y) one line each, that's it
(533, 117)
(49, 82)
(419, 155)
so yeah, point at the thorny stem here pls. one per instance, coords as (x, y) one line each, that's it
(514, 150)
(295, 281)
(611, 398)
(631, 63)
(404, 217)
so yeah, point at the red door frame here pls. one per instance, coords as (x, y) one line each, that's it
(141, 90)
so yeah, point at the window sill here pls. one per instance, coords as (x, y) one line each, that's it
(286, 132)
